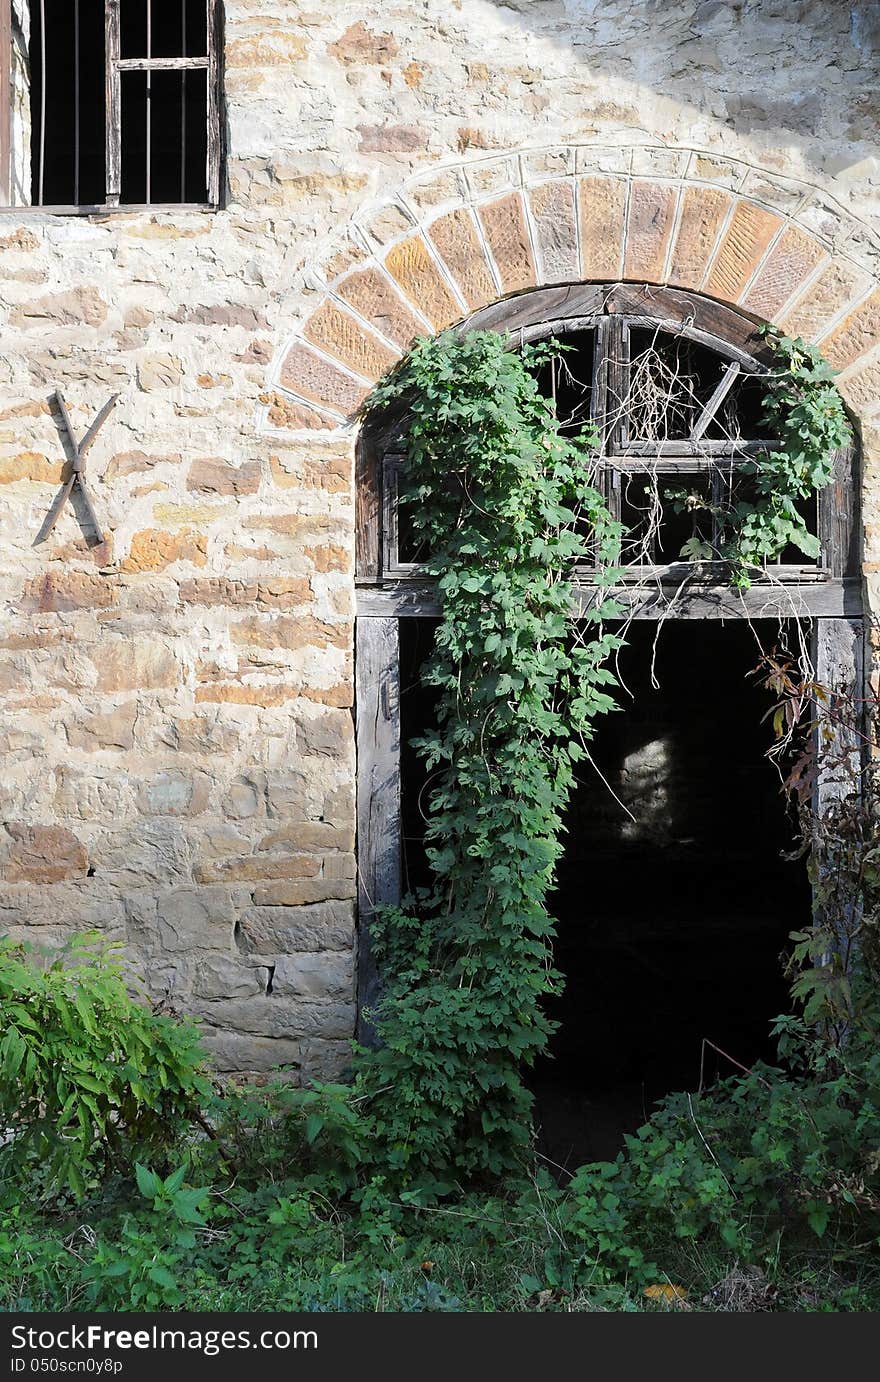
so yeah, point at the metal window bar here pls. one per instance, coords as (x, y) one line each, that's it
(149, 113)
(76, 102)
(42, 174)
(183, 103)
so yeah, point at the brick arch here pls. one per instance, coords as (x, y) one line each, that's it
(449, 242)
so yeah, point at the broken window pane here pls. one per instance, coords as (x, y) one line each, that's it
(168, 109)
(744, 491)
(568, 380)
(669, 517)
(176, 30)
(673, 384)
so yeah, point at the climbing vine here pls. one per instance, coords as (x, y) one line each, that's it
(805, 413)
(505, 505)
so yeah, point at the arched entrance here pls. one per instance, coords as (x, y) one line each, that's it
(673, 383)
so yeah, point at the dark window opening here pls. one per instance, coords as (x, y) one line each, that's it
(109, 123)
(163, 30)
(67, 68)
(668, 518)
(672, 920)
(568, 380)
(673, 378)
(675, 458)
(164, 158)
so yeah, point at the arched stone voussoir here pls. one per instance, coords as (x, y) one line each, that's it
(451, 241)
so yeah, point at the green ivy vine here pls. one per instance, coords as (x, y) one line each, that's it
(505, 505)
(804, 412)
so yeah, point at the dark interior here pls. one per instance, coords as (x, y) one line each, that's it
(177, 103)
(177, 29)
(670, 925)
(59, 167)
(689, 372)
(568, 380)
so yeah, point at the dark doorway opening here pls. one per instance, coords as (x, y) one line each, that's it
(673, 900)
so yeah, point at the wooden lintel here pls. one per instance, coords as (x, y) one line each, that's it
(805, 599)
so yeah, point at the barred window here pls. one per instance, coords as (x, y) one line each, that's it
(109, 104)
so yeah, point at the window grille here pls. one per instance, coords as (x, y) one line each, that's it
(114, 103)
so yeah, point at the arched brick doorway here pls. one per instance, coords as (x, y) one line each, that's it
(610, 323)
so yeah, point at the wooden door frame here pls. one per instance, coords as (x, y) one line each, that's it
(834, 604)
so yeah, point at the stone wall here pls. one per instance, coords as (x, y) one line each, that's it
(176, 722)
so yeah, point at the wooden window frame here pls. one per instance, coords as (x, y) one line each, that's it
(115, 65)
(828, 586)
(5, 101)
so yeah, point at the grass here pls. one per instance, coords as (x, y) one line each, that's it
(481, 1254)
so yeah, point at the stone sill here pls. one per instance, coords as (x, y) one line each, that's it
(129, 209)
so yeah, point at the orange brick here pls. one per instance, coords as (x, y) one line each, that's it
(152, 549)
(289, 631)
(58, 594)
(30, 465)
(370, 294)
(792, 259)
(837, 286)
(285, 414)
(270, 592)
(648, 229)
(459, 246)
(504, 225)
(342, 336)
(703, 211)
(602, 208)
(315, 379)
(410, 264)
(858, 333)
(236, 694)
(742, 248)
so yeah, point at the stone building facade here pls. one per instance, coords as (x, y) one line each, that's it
(177, 703)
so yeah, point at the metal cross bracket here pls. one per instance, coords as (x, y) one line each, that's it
(77, 469)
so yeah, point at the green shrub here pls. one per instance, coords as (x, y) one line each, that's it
(145, 1268)
(90, 1079)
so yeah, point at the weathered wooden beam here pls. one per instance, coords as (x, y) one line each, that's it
(801, 598)
(215, 102)
(721, 449)
(113, 173)
(6, 101)
(839, 656)
(162, 64)
(377, 700)
(720, 392)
